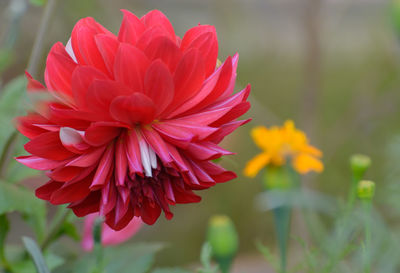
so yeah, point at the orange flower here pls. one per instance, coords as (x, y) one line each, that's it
(280, 144)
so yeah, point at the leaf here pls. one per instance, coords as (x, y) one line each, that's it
(272, 259)
(6, 59)
(16, 198)
(137, 256)
(38, 3)
(205, 259)
(4, 228)
(11, 105)
(170, 270)
(36, 255)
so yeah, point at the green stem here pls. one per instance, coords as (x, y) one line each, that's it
(367, 233)
(98, 248)
(40, 36)
(353, 192)
(282, 217)
(55, 227)
(7, 153)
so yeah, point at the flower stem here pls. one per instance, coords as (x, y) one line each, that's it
(7, 153)
(367, 235)
(282, 217)
(58, 221)
(98, 248)
(40, 36)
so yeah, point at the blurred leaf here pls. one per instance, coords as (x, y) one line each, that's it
(36, 255)
(17, 198)
(271, 258)
(205, 259)
(6, 59)
(4, 228)
(38, 2)
(138, 256)
(306, 199)
(170, 270)
(11, 104)
(70, 229)
(27, 266)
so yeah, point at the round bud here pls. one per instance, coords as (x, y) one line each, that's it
(359, 164)
(222, 237)
(365, 190)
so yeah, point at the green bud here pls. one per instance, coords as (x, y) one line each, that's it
(359, 164)
(277, 178)
(223, 239)
(365, 190)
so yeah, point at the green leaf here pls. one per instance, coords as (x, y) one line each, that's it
(6, 59)
(36, 255)
(16, 198)
(22, 264)
(4, 228)
(170, 270)
(272, 259)
(138, 256)
(205, 259)
(38, 2)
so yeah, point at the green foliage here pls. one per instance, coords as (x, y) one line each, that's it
(170, 270)
(205, 259)
(36, 255)
(16, 198)
(38, 2)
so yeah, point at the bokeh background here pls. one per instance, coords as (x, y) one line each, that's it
(332, 66)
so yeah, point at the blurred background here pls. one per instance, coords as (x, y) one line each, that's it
(332, 66)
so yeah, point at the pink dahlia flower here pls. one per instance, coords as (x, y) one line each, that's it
(134, 120)
(108, 235)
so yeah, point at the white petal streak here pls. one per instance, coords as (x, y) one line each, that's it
(70, 51)
(147, 154)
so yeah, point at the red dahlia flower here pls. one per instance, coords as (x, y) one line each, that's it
(134, 119)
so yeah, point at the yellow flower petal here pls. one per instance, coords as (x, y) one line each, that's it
(311, 150)
(256, 164)
(261, 137)
(304, 163)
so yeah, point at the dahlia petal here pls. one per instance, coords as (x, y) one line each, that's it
(220, 87)
(225, 130)
(25, 125)
(33, 84)
(49, 146)
(136, 108)
(229, 90)
(71, 192)
(233, 114)
(159, 86)
(149, 212)
(89, 204)
(158, 145)
(58, 74)
(38, 163)
(123, 222)
(149, 35)
(70, 51)
(207, 44)
(202, 175)
(133, 153)
(44, 192)
(104, 169)
(64, 174)
(206, 151)
(157, 18)
(174, 134)
(88, 48)
(205, 117)
(87, 159)
(82, 78)
(100, 133)
(145, 155)
(130, 66)
(183, 196)
(108, 47)
(188, 77)
(121, 162)
(192, 34)
(131, 28)
(200, 132)
(163, 48)
(108, 198)
(208, 86)
(73, 140)
(218, 173)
